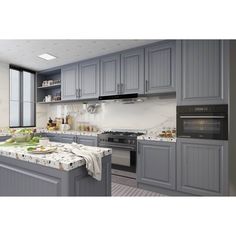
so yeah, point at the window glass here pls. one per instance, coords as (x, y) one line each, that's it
(22, 98)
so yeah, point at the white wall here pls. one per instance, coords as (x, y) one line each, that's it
(153, 113)
(4, 95)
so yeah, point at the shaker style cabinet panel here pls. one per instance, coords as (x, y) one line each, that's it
(132, 72)
(110, 75)
(69, 82)
(89, 79)
(160, 67)
(202, 167)
(203, 77)
(87, 140)
(156, 164)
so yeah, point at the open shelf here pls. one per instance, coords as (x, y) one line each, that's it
(54, 90)
(50, 87)
(49, 102)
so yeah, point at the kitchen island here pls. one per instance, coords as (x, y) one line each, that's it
(57, 174)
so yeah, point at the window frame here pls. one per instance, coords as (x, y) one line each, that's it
(21, 70)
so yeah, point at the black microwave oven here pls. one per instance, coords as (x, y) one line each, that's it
(205, 122)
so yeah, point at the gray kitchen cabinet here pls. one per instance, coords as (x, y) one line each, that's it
(202, 167)
(156, 164)
(160, 67)
(69, 82)
(110, 75)
(68, 138)
(4, 138)
(62, 138)
(203, 72)
(89, 79)
(132, 72)
(55, 138)
(87, 140)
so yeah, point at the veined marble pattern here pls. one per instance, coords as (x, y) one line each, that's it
(156, 138)
(60, 159)
(153, 113)
(74, 132)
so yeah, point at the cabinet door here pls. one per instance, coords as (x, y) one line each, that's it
(204, 72)
(69, 82)
(67, 138)
(89, 79)
(87, 140)
(202, 167)
(54, 137)
(110, 75)
(132, 72)
(156, 164)
(4, 138)
(160, 67)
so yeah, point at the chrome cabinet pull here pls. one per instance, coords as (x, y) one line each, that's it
(121, 88)
(118, 88)
(146, 85)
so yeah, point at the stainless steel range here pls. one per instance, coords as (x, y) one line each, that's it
(124, 148)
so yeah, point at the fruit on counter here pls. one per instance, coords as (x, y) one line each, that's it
(10, 140)
(38, 148)
(35, 139)
(52, 128)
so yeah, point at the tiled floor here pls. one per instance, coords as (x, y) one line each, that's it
(120, 190)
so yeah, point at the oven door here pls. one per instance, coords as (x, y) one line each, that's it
(202, 126)
(123, 159)
(123, 156)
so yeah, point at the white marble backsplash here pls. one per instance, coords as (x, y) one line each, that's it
(152, 114)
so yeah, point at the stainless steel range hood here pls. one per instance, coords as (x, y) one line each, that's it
(120, 96)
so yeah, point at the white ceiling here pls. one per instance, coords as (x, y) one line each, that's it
(25, 52)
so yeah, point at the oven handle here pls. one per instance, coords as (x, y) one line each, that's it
(202, 117)
(116, 146)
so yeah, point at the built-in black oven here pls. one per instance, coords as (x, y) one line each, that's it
(206, 122)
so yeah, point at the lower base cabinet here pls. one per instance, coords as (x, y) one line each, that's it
(87, 140)
(4, 138)
(202, 167)
(68, 138)
(156, 164)
(62, 138)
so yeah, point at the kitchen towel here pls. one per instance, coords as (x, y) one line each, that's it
(93, 158)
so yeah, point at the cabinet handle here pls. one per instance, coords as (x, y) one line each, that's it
(79, 92)
(146, 85)
(121, 88)
(118, 88)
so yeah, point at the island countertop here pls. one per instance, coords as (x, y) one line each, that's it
(60, 159)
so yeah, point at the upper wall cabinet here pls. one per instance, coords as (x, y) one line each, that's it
(110, 75)
(203, 77)
(160, 67)
(132, 72)
(89, 79)
(69, 78)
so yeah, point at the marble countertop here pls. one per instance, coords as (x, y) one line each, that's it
(153, 137)
(60, 159)
(4, 134)
(73, 132)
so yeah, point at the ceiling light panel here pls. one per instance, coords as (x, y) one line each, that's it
(47, 56)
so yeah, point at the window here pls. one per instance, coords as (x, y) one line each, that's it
(22, 98)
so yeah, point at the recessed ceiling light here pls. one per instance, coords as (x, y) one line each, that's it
(47, 56)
